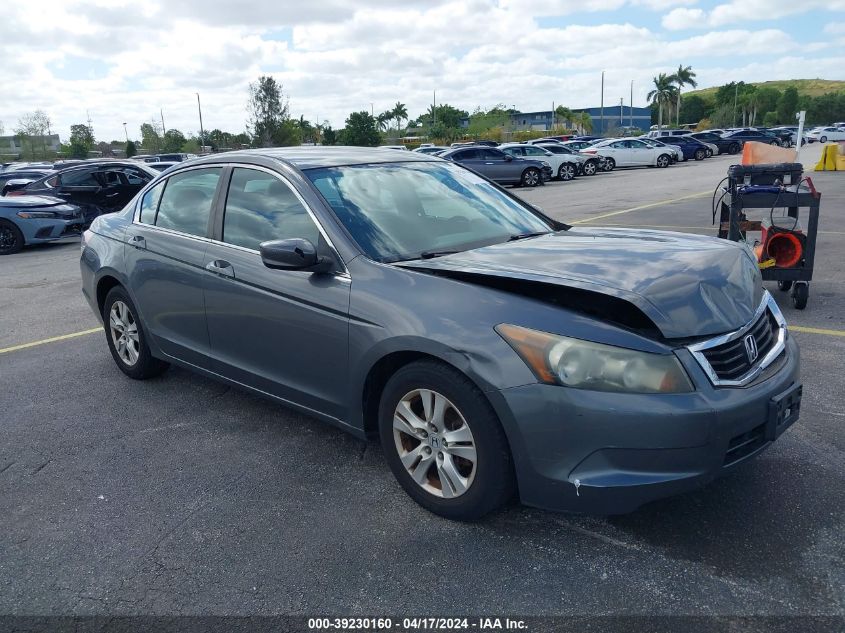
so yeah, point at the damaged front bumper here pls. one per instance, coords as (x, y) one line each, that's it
(609, 453)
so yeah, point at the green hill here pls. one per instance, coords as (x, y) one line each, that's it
(805, 87)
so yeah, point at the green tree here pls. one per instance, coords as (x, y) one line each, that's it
(767, 99)
(131, 150)
(383, 120)
(444, 115)
(269, 115)
(192, 146)
(563, 115)
(329, 136)
(173, 141)
(693, 109)
(151, 137)
(81, 140)
(32, 130)
(400, 113)
(684, 76)
(788, 106)
(662, 94)
(770, 119)
(360, 130)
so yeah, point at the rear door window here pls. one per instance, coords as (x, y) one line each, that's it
(185, 205)
(149, 204)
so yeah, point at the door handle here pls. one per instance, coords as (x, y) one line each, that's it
(221, 267)
(112, 195)
(138, 241)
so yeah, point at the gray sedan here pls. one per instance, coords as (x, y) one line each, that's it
(494, 352)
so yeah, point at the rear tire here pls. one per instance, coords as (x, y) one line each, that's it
(531, 177)
(800, 295)
(734, 148)
(413, 433)
(823, 139)
(126, 337)
(609, 164)
(11, 238)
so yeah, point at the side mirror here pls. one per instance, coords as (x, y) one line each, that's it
(508, 157)
(293, 254)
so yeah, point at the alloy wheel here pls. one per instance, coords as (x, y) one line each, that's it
(663, 160)
(7, 238)
(124, 333)
(530, 177)
(589, 168)
(435, 443)
(566, 172)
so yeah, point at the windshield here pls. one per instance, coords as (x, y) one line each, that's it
(400, 211)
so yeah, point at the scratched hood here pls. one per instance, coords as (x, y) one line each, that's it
(688, 285)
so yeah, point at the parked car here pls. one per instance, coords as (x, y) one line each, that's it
(399, 147)
(28, 220)
(675, 151)
(825, 134)
(491, 349)
(97, 187)
(177, 157)
(564, 166)
(162, 165)
(793, 134)
(431, 149)
(630, 152)
(744, 136)
(723, 145)
(666, 132)
(19, 178)
(500, 167)
(577, 146)
(690, 147)
(586, 166)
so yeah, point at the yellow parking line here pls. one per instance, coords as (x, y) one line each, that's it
(692, 228)
(700, 194)
(816, 330)
(54, 339)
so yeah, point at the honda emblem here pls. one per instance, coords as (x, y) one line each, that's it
(751, 348)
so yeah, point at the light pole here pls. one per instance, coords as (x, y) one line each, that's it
(202, 132)
(631, 111)
(736, 91)
(125, 132)
(601, 109)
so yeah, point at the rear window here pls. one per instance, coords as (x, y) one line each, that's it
(78, 179)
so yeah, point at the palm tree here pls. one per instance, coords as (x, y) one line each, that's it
(563, 113)
(664, 91)
(383, 119)
(399, 112)
(584, 121)
(683, 77)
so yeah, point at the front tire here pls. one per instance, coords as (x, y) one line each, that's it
(531, 177)
(700, 154)
(444, 443)
(126, 338)
(566, 171)
(734, 148)
(663, 161)
(590, 168)
(11, 238)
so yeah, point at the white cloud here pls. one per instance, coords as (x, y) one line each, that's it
(681, 19)
(123, 60)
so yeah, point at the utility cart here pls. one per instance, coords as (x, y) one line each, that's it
(776, 197)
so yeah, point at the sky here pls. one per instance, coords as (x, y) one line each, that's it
(119, 61)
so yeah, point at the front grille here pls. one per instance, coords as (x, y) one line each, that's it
(730, 360)
(743, 445)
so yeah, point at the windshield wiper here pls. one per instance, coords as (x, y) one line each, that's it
(522, 236)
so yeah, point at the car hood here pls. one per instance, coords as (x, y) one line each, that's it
(56, 205)
(688, 285)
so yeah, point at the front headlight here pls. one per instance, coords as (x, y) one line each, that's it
(545, 164)
(31, 215)
(571, 362)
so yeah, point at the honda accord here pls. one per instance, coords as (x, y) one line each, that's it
(495, 352)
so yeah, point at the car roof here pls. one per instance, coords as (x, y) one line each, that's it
(315, 157)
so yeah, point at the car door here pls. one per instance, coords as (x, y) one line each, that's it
(81, 187)
(130, 181)
(639, 153)
(619, 152)
(284, 332)
(500, 164)
(473, 159)
(165, 259)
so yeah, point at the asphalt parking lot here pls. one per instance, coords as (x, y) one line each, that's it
(182, 496)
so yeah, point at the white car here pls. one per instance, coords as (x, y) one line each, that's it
(630, 152)
(825, 134)
(564, 166)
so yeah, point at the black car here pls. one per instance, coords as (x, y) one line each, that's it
(501, 167)
(20, 178)
(725, 145)
(744, 136)
(97, 188)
